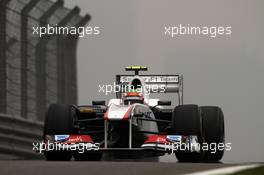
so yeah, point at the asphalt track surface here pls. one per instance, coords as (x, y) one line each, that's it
(41, 167)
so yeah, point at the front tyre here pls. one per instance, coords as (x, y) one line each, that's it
(187, 120)
(59, 121)
(214, 127)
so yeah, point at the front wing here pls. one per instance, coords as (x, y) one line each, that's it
(154, 142)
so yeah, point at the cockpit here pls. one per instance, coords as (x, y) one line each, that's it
(134, 93)
(133, 97)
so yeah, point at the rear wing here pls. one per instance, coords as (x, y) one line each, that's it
(162, 83)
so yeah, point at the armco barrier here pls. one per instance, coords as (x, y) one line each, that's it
(17, 136)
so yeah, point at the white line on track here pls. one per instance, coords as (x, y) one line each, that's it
(227, 170)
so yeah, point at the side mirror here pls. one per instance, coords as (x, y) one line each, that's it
(98, 103)
(164, 103)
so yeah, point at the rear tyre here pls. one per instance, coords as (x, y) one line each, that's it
(213, 119)
(59, 121)
(187, 120)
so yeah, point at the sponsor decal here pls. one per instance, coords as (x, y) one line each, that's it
(79, 139)
(76, 139)
(156, 139)
(174, 138)
(61, 138)
(151, 78)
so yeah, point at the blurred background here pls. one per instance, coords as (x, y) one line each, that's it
(225, 71)
(34, 71)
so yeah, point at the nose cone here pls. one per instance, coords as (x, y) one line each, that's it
(118, 112)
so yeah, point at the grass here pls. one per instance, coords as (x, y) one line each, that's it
(252, 171)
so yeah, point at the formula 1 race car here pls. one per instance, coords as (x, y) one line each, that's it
(133, 125)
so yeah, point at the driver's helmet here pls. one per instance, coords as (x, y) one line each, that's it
(133, 97)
